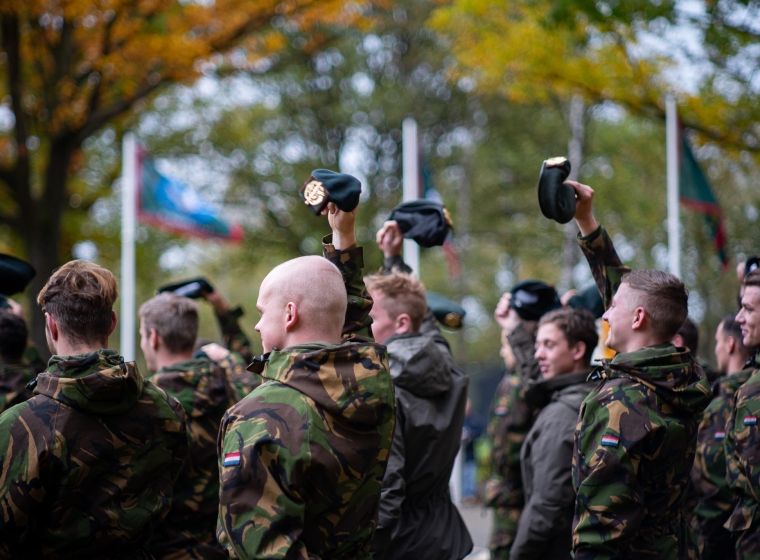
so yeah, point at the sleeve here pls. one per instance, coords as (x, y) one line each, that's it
(609, 502)
(524, 349)
(350, 262)
(241, 381)
(393, 490)
(234, 337)
(543, 517)
(742, 447)
(261, 512)
(606, 266)
(395, 263)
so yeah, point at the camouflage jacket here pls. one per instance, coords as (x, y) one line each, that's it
(14, 378)
(189, 531)
(742, 447)
(303, 456)
(715, 500)
(635, 441)
(89, 461)
(236, 341)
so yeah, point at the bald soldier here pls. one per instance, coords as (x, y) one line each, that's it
(302, 457)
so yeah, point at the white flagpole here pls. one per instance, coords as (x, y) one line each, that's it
(411, 190)
(674, 225)
(128, 218)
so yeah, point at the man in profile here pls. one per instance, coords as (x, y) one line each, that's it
(637, 431)
(302, 457)
(91, 458)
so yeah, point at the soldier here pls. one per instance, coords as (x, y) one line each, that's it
(14, 373)
(715, 500)
(303, 456)
(168, 327)
(565, 341)
(90, 459)
(636, 437)
(417, 517)
(742, 443)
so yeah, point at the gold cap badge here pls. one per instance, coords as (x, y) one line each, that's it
(314, 193)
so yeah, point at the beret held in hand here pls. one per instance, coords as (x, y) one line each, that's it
(425, 221)
(324, 186)
(533, 298)
(15, 275)
(556, 199)
(193, 288)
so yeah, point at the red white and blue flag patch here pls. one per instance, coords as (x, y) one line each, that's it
(610, 441)
(750, 420)
(231, 460)
(720, 435)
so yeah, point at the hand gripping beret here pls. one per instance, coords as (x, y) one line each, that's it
(15, 275)
(557, 200)
(533, 298)
(425, 221)
(325, 186)
(448, 312)
(193, 288)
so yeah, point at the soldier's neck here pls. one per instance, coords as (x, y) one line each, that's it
(65, 347)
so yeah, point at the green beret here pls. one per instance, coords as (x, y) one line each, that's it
(193, 288)
(324, 186)
(556, 199)
(448, 312)
(15, 275)
(588, 298)
(533, 298)
(425, 221)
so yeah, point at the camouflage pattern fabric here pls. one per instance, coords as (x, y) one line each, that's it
(13, 381)
(503, 532)
(32, 358)
(241, 354)
(715, 500)
(189, 531)
(89, 461)
(742, 447)
(303, 456)
(635, 442)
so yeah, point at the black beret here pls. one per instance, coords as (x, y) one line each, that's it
(425, 221)
(324, 186)
(193, 288)
(15, 275)
(533, 298)
(448, 312)
(588, 298)
(557, 200)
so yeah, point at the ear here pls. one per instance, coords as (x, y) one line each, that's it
(52, 326)
(153, 339)
(114, 320)
(291, 316)
(678, 340)
(578, 350)
(403, 324)
(639, 318)
(730, 344)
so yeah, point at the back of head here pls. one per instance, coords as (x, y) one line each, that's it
(402, 293)
(663, 297)
(690, 335)
(578, 325)
(80, 295)
(13, 335)
(175, 319)
(733, 329)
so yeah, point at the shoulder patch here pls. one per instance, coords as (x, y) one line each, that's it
(231, 460)
(500, 410)
(750, 420)
(610, 440)
(720, 435)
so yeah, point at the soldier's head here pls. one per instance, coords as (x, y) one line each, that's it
(565, 341)
(730, 351)
(78, 304)
(168, 327)
(302, 300)
(399, 304)
(749, 314)
(688, 337)
(13, 335)
(648, 308)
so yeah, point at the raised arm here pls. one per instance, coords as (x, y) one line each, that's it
(390, 239)
(234, 337)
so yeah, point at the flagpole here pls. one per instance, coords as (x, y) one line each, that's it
(674, 239)
(128, 218)
(411, 190)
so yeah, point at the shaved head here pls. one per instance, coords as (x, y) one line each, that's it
(302, 300)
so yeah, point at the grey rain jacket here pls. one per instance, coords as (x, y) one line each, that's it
(418, 521)
(545, 529)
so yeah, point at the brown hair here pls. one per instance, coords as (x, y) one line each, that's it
(403, 293)
(577, 325)
(690, 335)
(80, 295)
(175, 319)
(734, 330)
(663, 297)
(752, 279)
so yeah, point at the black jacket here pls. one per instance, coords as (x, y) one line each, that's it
(545, 530)
(417, 518)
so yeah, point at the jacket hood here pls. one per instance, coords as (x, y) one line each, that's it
(541, 392)
(349, 380)
(97, 382)
(198, 384)
(670, 371)
(419, 363)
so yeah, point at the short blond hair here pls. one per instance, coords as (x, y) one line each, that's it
(403, 293)
(175, 319)
(80, 295)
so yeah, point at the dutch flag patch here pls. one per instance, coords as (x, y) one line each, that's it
(720, 435)
(231, 460)
(750, 420)
(610, 441)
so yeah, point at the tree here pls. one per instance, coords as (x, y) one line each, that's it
(68, 68)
